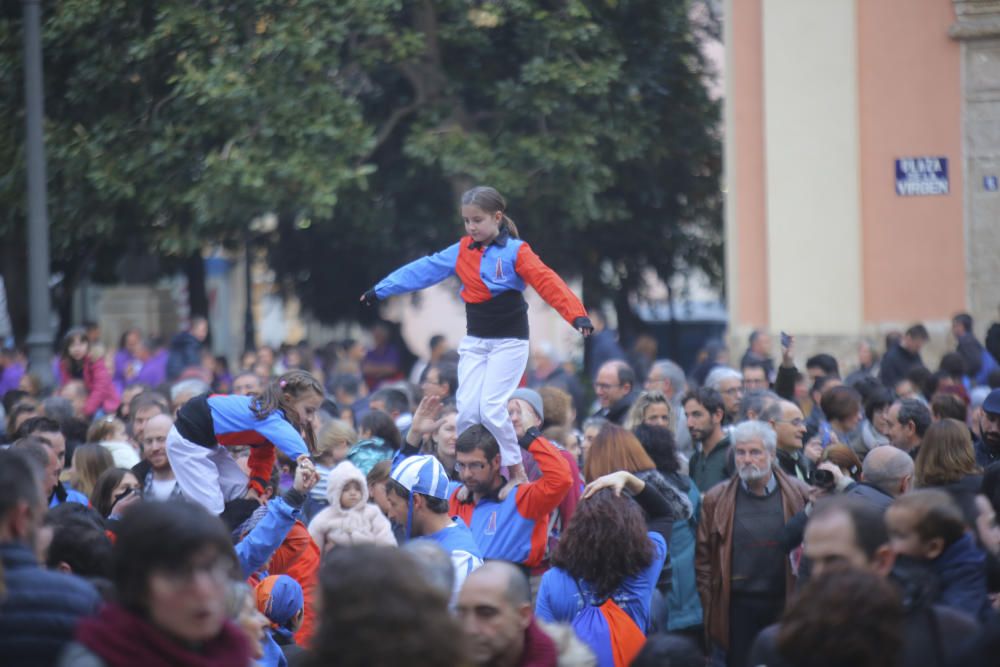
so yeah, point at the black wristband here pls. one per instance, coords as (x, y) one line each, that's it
(295, 498)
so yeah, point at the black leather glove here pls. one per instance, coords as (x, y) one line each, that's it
(583, 325)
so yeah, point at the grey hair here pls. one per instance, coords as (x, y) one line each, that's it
(595, 422)
(435, 564)
(887, 467)
(721, 373)
(750, 431)
(58, 408)
(674, 373)
(191, 386)
(772, 411)
(758, 401)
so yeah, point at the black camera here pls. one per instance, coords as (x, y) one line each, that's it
(823, 479)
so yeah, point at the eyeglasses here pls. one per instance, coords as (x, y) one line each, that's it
(603, 386)
(475, 466)
(732, 391)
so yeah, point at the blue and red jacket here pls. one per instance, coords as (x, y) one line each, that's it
(516, 529)
(229, 420)
(493, 280)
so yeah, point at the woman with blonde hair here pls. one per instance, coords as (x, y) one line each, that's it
(947, 461)
(651, 408)
(89, 461)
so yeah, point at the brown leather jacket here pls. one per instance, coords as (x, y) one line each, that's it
(713, 553)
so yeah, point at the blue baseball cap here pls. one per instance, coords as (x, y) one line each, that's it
(992, 402)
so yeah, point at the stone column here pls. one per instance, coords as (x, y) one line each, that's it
(978, 29)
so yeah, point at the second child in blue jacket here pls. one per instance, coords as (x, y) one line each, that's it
(281, 417)
(928, 526)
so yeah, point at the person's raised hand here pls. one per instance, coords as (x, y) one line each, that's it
(813, 450)
(253, 495)
(305, 475)
(788, 353)
(425, 419)
(369, 298)
(616, 481)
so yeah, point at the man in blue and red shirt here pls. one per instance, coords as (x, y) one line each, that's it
(516, 528)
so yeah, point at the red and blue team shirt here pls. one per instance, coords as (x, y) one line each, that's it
(229, 420)
(516, 529)
(493, 279)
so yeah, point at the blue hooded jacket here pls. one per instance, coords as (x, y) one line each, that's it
(961, 574)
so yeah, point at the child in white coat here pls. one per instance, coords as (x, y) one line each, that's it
(349, 518)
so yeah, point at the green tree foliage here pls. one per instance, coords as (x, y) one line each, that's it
(358, 122)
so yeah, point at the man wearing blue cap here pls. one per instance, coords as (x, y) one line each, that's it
(417, 492)
(988, 446)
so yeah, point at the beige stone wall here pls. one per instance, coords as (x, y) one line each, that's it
(978, 29)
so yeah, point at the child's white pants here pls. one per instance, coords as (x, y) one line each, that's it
(207, 476)
(489, 370)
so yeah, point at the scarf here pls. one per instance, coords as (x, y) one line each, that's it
(123, 639)
(539, 649)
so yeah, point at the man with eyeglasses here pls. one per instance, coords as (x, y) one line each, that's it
(613, 385)
(514, 528)
(789, 426)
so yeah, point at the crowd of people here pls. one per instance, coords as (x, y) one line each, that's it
(765, 516)
(343, 506)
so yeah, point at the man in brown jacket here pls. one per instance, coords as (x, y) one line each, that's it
(743, 571)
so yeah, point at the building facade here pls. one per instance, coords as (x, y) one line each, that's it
(862, 153)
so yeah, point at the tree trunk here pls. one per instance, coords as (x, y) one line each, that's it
(194, 269)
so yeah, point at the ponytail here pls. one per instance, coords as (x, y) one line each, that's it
(282, 393)
(508, 225)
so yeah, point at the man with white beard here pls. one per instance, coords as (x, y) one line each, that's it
(743, 571)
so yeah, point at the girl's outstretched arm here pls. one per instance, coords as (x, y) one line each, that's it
(418, 274)
(551, 287)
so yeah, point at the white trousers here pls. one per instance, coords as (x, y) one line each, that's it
(489, 370)
(207, 475)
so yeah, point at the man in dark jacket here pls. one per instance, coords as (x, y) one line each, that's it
(789, 425)
(744, 575)
(988, 445)
(970, 348)
(887, 473)
(704, 411)
(614, 386)
(904, 356)
(847, 532)
(185, 348)
(38, 609)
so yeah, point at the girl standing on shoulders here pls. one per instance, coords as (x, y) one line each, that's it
(495, 266)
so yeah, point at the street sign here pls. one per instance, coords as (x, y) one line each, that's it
(921, 176)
